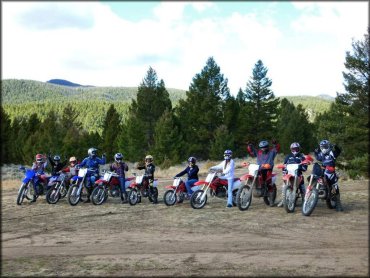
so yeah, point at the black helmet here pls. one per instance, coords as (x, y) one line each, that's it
(192, 159)
(325, 146)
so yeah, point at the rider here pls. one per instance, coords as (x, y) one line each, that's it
(149, 175)
(295, 157)
(192, 171)
(39, 166)
(227, 166)
(92, 162)
(120, 167)
(71, 169)
(327, 154)
(56, 167)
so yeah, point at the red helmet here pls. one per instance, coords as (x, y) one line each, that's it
(39, 157)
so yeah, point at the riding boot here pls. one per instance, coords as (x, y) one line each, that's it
(152, 192)
(124, 197)
(338, 207)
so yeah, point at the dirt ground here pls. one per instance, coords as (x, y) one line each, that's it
(155, 240)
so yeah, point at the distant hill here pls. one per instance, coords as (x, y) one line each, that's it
(63, 83)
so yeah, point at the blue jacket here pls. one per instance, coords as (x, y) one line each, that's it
(298, 158)
(191, 171)
(93, 163)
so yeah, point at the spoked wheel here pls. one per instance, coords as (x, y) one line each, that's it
(170, 197)
(72, 196)
(310, 202)
(270, 197)
(63, 191)
(22, 193)
(133, 197)
(53, 196)
(198, 199)
(244, 197)
(154, 196)
(331, 201)
(290, 198)
(98, 195)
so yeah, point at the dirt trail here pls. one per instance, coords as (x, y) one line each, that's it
(155, 240)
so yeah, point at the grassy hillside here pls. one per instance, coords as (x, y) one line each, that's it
(21, 98)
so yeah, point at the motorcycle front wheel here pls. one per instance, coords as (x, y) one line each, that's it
(98, 195)
(290, 198)
(53, 196)
(196, 201)
(72, 196)
(133, 197)
(22, 193)
(310, 202)
(244, 197)
(170, 197)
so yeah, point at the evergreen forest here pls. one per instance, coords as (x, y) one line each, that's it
(171, 124)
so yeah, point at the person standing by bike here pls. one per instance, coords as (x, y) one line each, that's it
(119, 167)
(56, 167)
(327, 154)
(39, 166)
(149, 176)
(227, 166)
(295, 157)
(92, 162)
(192, 170)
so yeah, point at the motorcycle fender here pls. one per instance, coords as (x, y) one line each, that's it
(195, 188)
(133, 185)
(100, 181)
(170, 187)
(201, 182)
(245, 177)
(287, 177)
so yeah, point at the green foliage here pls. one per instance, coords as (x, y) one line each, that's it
(201, 112)
(358, 167)
(5, 137)
(222, 141)
(263, 104)
(111, 129)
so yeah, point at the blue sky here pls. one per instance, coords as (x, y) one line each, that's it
(303, 44)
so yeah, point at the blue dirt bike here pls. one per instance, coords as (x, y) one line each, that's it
(26, 189)
(81, 184)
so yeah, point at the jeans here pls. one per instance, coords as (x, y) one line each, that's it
(189, 184)
(230, 183)
(122, 184)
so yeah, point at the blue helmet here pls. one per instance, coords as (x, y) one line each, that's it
(228, 154)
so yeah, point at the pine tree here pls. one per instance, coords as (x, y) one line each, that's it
(263, 105)
(168, 141)
(5, 137)
(201, 113)
(222, 141)
(111, 129)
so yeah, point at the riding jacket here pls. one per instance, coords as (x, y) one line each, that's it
(119, 168)
(191, 171)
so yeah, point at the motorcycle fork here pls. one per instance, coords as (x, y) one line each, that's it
(80, 186)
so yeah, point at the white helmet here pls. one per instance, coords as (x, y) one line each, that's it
(92, 152)
(118, 157)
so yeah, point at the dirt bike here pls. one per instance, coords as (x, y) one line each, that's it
(26, 190)
(79, 187)
(177, 192)
(108, 185)
(318, 188)
(217, 186)
(259, 182)
(140, 188)
(59, 188)
(292, 179)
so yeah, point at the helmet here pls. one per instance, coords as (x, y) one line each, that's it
(56, 158)
(295, 147)
(92, 152)
(325, 146)
(149, 158)
(72, 159)
(118, 157)
(39, 157)
(192, 159)
(228, 154)
(263, 144)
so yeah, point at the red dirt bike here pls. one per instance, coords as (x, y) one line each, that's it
(318, 188)
(259, 182)
(140, 188)
(108, 185)
(292, 178)
(217, 186)
(177, 192)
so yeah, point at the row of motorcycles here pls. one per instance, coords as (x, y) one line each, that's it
(258, 182)
(79, 188)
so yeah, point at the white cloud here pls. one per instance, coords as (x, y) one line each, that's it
(111, 51)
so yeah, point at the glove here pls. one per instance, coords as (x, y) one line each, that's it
(316, 150)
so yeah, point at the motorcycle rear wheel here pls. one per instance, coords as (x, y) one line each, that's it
(244, 197)
(170, 197)
(331, 201)
(196, 202)
(98, 195)
(310, 202)
(271, 196)
(290, 199)
(52, 196)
